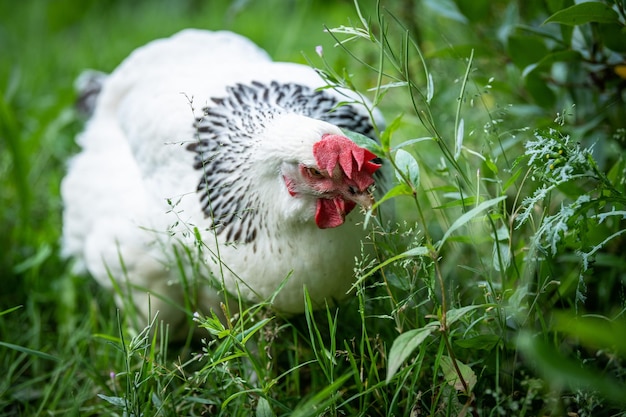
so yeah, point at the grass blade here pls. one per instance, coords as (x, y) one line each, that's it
(28, 351)
(466, 217)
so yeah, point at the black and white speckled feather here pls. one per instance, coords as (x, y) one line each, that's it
(228, 130)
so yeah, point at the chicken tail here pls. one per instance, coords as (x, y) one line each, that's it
(88, 86)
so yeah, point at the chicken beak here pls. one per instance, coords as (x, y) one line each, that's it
(364, 199)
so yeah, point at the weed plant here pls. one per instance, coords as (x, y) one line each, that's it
(497, 289)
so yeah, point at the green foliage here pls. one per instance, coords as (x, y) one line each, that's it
(579, 14)
(515, 241)
(498, 289)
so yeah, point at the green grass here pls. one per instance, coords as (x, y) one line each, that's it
(500, 290)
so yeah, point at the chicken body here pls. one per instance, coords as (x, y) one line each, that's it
(198, 162)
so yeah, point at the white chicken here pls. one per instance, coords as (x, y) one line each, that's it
(203, 158)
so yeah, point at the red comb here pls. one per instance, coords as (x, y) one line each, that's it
(354, 161)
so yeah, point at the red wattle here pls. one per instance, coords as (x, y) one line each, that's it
(332, 212)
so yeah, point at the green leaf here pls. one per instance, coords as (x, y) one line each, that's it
(474, 10)
(263, 408)
(412, 142)
(9, 310)
(417, 251)
(480, 49)
(430, 88)
(509, 182)
(452, 377)
(554, 5)
(582, 13)
(457, 202)
(466, 217)
(444, 189)
(413, 252)
(408, 167)
(364, 142)
(536, 86)
(518, 304)
(447, 9)
(317, 403)
(615, 173)
(548, 60)
(37, 353)
(480, 342)
(501, 255)
(34, 261)
(158, 403)
(397, 190)
(403, 347)
(458, 143)
(525, 50)
(613, 36)
(455, 314)
(491, 165)
(385, 136)
(116, 401)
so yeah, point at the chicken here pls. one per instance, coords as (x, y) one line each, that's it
(207, 169)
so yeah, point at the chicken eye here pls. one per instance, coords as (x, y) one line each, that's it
(315, 173)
